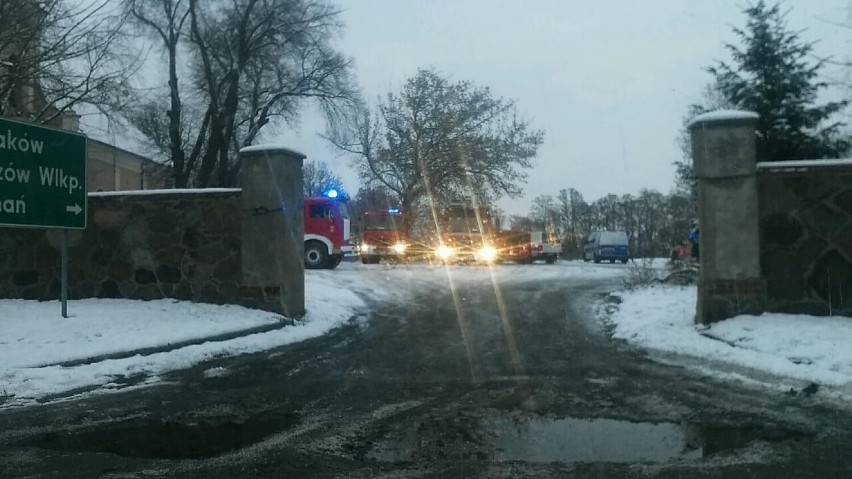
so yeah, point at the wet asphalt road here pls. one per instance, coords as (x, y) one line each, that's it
(513, 380)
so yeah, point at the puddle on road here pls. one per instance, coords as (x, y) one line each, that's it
(186, 439)
(586, 440)
(574, 440)
(537, 439)
(504, 438)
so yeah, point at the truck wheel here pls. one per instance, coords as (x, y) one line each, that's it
(623, 260)
(370, 259)
(550, 259)
(335, 260)
(316, 255)
(597, 259)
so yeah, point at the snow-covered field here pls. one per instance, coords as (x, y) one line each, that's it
(33, 336)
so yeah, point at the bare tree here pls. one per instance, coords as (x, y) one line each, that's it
(166, 20)
(56, 56)
(251, 63)
(318, 179)
(544, 213)
(258, 58)
(518, 222)
(437, 140)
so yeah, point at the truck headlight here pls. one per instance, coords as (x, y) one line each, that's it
(444, 252)
(399, 248)
(488, 253)
(366, 248)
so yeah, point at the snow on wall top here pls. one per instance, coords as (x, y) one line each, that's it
(271, 147)
(165, 192)
(722, 115)
(770, 165)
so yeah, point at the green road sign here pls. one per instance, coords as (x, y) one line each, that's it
(42, 176)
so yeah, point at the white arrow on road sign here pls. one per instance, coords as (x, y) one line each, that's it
(74, 209)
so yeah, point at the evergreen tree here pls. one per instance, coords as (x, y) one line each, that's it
(772, 75)
(685, 183)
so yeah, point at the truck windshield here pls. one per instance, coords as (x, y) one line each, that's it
(344, 210)
(462, 225)
(382, 222)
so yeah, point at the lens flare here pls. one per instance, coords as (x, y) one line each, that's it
(487, 253)
(444, 252)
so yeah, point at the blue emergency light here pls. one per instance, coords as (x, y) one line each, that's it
(332, 193)
(393, 210)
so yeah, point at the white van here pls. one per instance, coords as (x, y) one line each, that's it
(545, 246)
(606, 245)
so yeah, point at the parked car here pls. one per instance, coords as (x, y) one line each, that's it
(609, 246)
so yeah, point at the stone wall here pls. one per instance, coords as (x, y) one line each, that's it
(806, 238)
(173, 245)
(723, 152)
(775, 236)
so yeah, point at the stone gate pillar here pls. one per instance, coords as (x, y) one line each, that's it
(724, 164)
(273, 265)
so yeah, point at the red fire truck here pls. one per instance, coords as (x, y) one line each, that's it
(467, 234)
(383, 236)
(514, 245)
(327, 231)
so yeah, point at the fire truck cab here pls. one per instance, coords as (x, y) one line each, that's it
(327, 231)
(383, 236)
(467, 235)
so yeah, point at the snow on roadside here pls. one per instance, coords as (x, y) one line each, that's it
(799, 347)
(32, 333)
(161, 321)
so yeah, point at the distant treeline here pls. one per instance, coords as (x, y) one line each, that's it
(654, 222)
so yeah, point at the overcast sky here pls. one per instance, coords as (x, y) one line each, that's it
(608, 81)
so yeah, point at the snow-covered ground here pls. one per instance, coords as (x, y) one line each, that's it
(800, 348)
(32, 333)
(33, 336)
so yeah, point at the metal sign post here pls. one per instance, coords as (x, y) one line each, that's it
(43, 182)
(64, 293)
